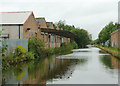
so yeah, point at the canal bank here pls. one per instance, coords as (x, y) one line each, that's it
(113, 51)
(36, 51)
(83, 66)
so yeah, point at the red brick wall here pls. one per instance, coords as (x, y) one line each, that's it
(43, 25)
(32, 24)
(115, 39)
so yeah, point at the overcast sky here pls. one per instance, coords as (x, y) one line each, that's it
(91, 15)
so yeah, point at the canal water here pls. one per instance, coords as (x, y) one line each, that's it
(83, 66)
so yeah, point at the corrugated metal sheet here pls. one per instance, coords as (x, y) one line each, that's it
(52, 41)
(14, 17)
(13, 43)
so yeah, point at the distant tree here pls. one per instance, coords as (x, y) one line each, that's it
(105, 33)
(83, 37)
(90, 37)
(96, 41)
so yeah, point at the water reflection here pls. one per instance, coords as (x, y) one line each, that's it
(83, 66)
(109, 61)
(38, 72)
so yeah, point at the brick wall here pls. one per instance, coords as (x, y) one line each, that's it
(43, 24)
(32, 24)
(115, 39)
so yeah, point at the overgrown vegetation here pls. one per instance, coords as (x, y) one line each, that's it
(36, 50)
(65, 48)
(4, 48)
(18, 56)
(37, 46)
(74, 44)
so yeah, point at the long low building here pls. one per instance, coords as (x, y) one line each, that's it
(53, 35)
(23, 25)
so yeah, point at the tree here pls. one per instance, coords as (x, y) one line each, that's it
(105, 33)
(83, 36)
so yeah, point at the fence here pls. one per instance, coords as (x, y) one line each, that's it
(13, 43)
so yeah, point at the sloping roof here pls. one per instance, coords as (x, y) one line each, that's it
(49, 24)
(40, 20)
(14, 17)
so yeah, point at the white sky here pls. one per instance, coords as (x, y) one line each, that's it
(91, 15)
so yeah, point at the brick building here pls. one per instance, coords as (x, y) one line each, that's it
(23, 25)
(19, 25)
(115, 39)
(45, 36)
(51, 36)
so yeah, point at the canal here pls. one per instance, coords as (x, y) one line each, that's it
(83, 66)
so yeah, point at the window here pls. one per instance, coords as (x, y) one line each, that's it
(27, 29)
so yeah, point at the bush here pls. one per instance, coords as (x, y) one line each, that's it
(74, 45)
(49, 51)
(19, 55)
(30, 55)
(4, 48)
(57, 50)
(19, 50)
(64, 48)
(36, 46)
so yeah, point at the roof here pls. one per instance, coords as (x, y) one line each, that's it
(14, 17)
(57, 28)
(63, 33)
(40, 20)
(49, 24)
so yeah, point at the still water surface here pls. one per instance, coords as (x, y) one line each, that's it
(83, 66)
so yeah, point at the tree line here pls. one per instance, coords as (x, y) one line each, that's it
(83, 37)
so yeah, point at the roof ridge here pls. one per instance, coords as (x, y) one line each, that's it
(40, 18)
(49, 22)
(17, 12)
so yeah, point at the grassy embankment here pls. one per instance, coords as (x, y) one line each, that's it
(113, 51)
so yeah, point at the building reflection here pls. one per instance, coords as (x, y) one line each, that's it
(39, 72)
(115, 62)
(110, 62)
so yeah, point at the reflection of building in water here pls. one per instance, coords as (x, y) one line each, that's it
(41, 71)
(50, 68)
(115, 62)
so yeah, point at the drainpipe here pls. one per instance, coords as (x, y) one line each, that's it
(19, 31)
